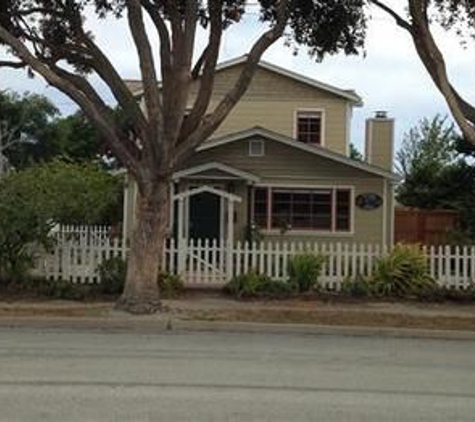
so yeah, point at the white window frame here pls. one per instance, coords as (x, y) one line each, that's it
(262, 148)
(292, 231)
(315, 110)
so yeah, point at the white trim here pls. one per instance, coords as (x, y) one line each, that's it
(316, 110)
(349, 118)
(333, 188)
(313, 149)
(347, 94)
(262, 147)
(205, 188)
(192, 171)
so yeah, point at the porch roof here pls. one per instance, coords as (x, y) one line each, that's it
(224, 172)
(190, 192)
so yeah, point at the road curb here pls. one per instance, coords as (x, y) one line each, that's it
(313, 329)
(160, 325)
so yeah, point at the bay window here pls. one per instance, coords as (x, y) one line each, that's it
(327, 210)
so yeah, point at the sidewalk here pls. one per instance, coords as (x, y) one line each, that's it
(210, 312)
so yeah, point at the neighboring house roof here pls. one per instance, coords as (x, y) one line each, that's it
(136, 85)
(316, 150)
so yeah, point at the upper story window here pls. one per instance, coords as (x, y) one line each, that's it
(309, 126)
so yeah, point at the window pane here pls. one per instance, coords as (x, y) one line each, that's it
(322, 210)
(343, 210)
(309, 127)
(260, 207)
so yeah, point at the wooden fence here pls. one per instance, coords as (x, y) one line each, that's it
(427, 227)
(208, 263)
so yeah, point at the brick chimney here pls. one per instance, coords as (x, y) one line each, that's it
(380, 140)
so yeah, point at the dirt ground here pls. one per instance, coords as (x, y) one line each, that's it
(199, 306)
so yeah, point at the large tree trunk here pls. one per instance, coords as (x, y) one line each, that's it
(141, 295)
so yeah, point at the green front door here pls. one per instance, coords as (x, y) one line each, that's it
(205, 216)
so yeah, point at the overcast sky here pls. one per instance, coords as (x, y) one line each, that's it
(390, 76)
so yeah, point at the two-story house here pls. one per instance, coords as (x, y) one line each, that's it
(280, 165)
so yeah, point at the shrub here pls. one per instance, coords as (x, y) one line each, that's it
(32, 201)
(358, 287)
(170, 285)
(51, 289)
(256, 285)
(112, 273)
(304, 271)
(403, 273)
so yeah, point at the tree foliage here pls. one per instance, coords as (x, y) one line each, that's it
(33, 131)
(25, 125)
(355, 154)
(435, 174)
(34, 200)
(427, 147)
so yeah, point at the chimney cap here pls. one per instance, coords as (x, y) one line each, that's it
(381, 114)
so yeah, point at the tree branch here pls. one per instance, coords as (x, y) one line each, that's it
(211, 122)
(122, 94)
(91, 109)
(434, 62)
(403, 23)
(210, 60)
(12, 65)
(147, 66)
(163, 34)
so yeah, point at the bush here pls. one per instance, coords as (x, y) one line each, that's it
(443, 294)
(112, 273)
(51, 289)
(256, 285)
(358, 287)
(304, 271)
(170, 285)
(403, 273)
(32, 201)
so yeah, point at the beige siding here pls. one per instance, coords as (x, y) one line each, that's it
(285, 166)
(271, 102)
(279, 162)
(368, 224)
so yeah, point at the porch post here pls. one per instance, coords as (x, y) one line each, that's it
(181, 238)
(230, 241)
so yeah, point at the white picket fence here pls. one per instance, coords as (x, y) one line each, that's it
(79, 252)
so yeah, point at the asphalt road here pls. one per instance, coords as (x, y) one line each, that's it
(99, 376)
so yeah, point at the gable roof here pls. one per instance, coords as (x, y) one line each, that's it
(316, 150)
(230, 171)
(136, 85)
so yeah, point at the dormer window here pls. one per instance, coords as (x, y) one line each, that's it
(309, 127)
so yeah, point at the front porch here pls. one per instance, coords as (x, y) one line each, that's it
(210, 202)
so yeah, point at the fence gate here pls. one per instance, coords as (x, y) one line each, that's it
(199, 262)
(205, 262)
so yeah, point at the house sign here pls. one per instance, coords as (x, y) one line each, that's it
(369, 201)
